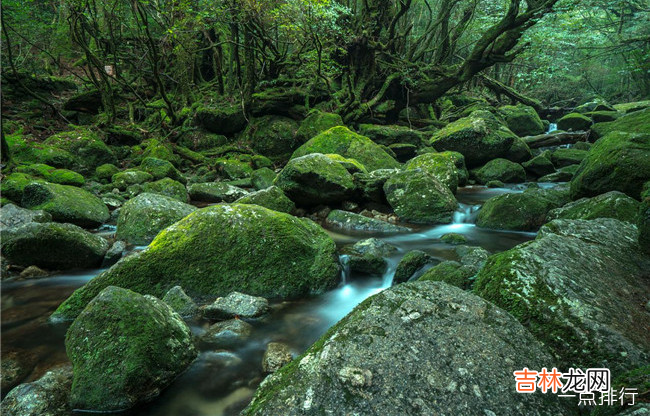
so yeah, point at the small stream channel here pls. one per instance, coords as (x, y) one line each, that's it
(222, 382)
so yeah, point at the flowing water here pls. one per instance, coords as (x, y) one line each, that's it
(222, 382)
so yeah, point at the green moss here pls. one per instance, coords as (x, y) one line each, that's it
(453, 238)
(12, 186)
(439, 165)
(229, 247)
(271, 198)
(234, 169)
(260, 162)
(636, 122)
(500, 170)
(351, 165)
(159, 168)
(317, 122)
(262, 178)
(522, 120)
(123, 180)
(519, 211)
(387, 135)
(167, 187)
(575, 122)
(221, 118)
(273, 136)
(566, 157)
(156, 149)
(50, 174)
(87, 147)
(632, 107)
(450, 272)
(342, 141)
(519, 152)
(105, 172)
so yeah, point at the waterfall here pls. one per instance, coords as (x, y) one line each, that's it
(465, 214)
(552, 127)
(344, 260)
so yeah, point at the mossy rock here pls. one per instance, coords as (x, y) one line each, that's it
(500, 170)
(453, 238)
(643, 224)
(167, 187)
(564, 174)
(368, 256)
(540, 165)
(156, 149)
(370, 186)
(53, 246)
(574, 122)
(519, 152)
(159, 168)
(340, 140)
(271, 198)
(13, 185)
(359, 224)
(636, 122)
(439, 165)
(617, 162)
(603, 116)
(198, 140)
(411, 263)
(143, 217)
(229, 247)
(419, 198)
(612, 204)
(317, 122)
(315, 179)
(632, 107)
(123, 180)
(565, 157)
(125, 348)
(66, 204)
(451, 272)
(387, 135)
(53, 175)
(105, 172)
(87, 147)
(523, 120)
(215, 192)
(459, 161)
(273, 136)
(479, 138)
(23, 150)
(260, 161)
(85, 102)
(524, 211)
(403, 151)
(223, 118)
(549, 287)
(351, 165)
(263, 178)
(234, 169)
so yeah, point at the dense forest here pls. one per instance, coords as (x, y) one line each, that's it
(341, 207)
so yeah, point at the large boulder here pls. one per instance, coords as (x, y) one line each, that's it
(519, 151)
(340, 140)
(370, 186)
(125, 348)
(413, 349)
(525, 211)
(143, 217)
(271, 198)
(439, 165)
(315, 179)
(643, 224)
(222, 248)
(479, 137)
(66, 203)
(215, 192)
(53, 246)
(612, 204)
(12, 217)
(617, 162)
(388, 135)
(224, 118)
(273, 136)
(636, 122)
(574, 122)
(500, 170)
(87, 147)
(419, 198)
(576, 287)
(317, 122)
(523, 120)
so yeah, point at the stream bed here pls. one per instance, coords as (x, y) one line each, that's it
(223, 382)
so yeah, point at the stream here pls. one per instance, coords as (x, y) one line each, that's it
(223, 382)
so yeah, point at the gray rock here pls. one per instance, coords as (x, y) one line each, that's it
(12, 217)
(368, 256)
(276, 356)
(236, 305)
(349, 221)
(15, 367)
(575, 287)
(114, 254)
(227, 334)
(182, 304)
(47, 396)
(33, 272)
(383, 359)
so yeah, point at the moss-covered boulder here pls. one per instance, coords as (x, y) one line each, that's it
(87, 147)
(636, 122)
(522, 120)
(229, 247)
(411, 263)
(612, 204)
(342, 141)
(125, 348)
(317, 122)
(234, 169)
(524, 211)
(565, 157)
(66, 203)
(403, 151)
(143, 217)
(461, 169)
(500, 170)
(215, 192)
(53, 246)
(315, 179)
(167, 187)
(351, 165)
(273, 136)
(13, 185)
(617, 162)
(105, 172)
(123, 180)
(368, 256)
(360, 366)
(159, 169)
(54, 175)
(388, 135)
(519, 152)
(419, 198)
(25, 149)
(351, 222)
(451, 272)
(479, 138)
(548, 285)
(439, 165)
(574, 122)
(263, 178)
(370, 186)
(643, 224)
(223, 118)
(271, 198)
(603, 116)
(540, 165)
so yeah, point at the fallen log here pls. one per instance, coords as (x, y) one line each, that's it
(556, 139)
